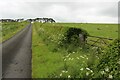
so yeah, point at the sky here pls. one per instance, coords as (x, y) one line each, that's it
(78, 11)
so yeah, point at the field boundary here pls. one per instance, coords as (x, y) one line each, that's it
(101, 41)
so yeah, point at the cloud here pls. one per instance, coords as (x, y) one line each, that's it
(61, 11)
(111, 11)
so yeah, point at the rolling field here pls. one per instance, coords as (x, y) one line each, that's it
(52, 58)
(101, 30)
(9, 29)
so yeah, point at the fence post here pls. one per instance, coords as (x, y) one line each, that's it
(82, 39)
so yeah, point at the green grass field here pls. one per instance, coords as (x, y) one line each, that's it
(54, 58)
(51, 61)
(9, 29)
(102, 30)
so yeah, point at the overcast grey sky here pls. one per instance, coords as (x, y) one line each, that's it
(99, 11)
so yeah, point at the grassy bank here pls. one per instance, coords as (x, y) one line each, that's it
(9, 29)
(102, 30)
(50, 60)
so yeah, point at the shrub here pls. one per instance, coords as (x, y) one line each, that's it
(71, 38)
(109, 65)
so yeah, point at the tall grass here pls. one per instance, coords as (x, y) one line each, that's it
(51, 61)
(9, 29)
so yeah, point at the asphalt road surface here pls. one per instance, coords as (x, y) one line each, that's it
(16, 55)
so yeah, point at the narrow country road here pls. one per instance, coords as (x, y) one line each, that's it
(16, 55)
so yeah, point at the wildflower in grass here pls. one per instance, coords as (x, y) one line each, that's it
(87, 73)
(64, 59)
(78, 58)
(87, 58)
(67, 55)
(66, 71)
(81, 69)
(88, 68)
(68, 76)
(91, 71)
(96, 56)
(107, 69)
(118, 62)
(102, 72)
(73, 52)
(62, 35)
(81, 56)
(61, 74)
(63, 71)
(110, 76)
(94, 47)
